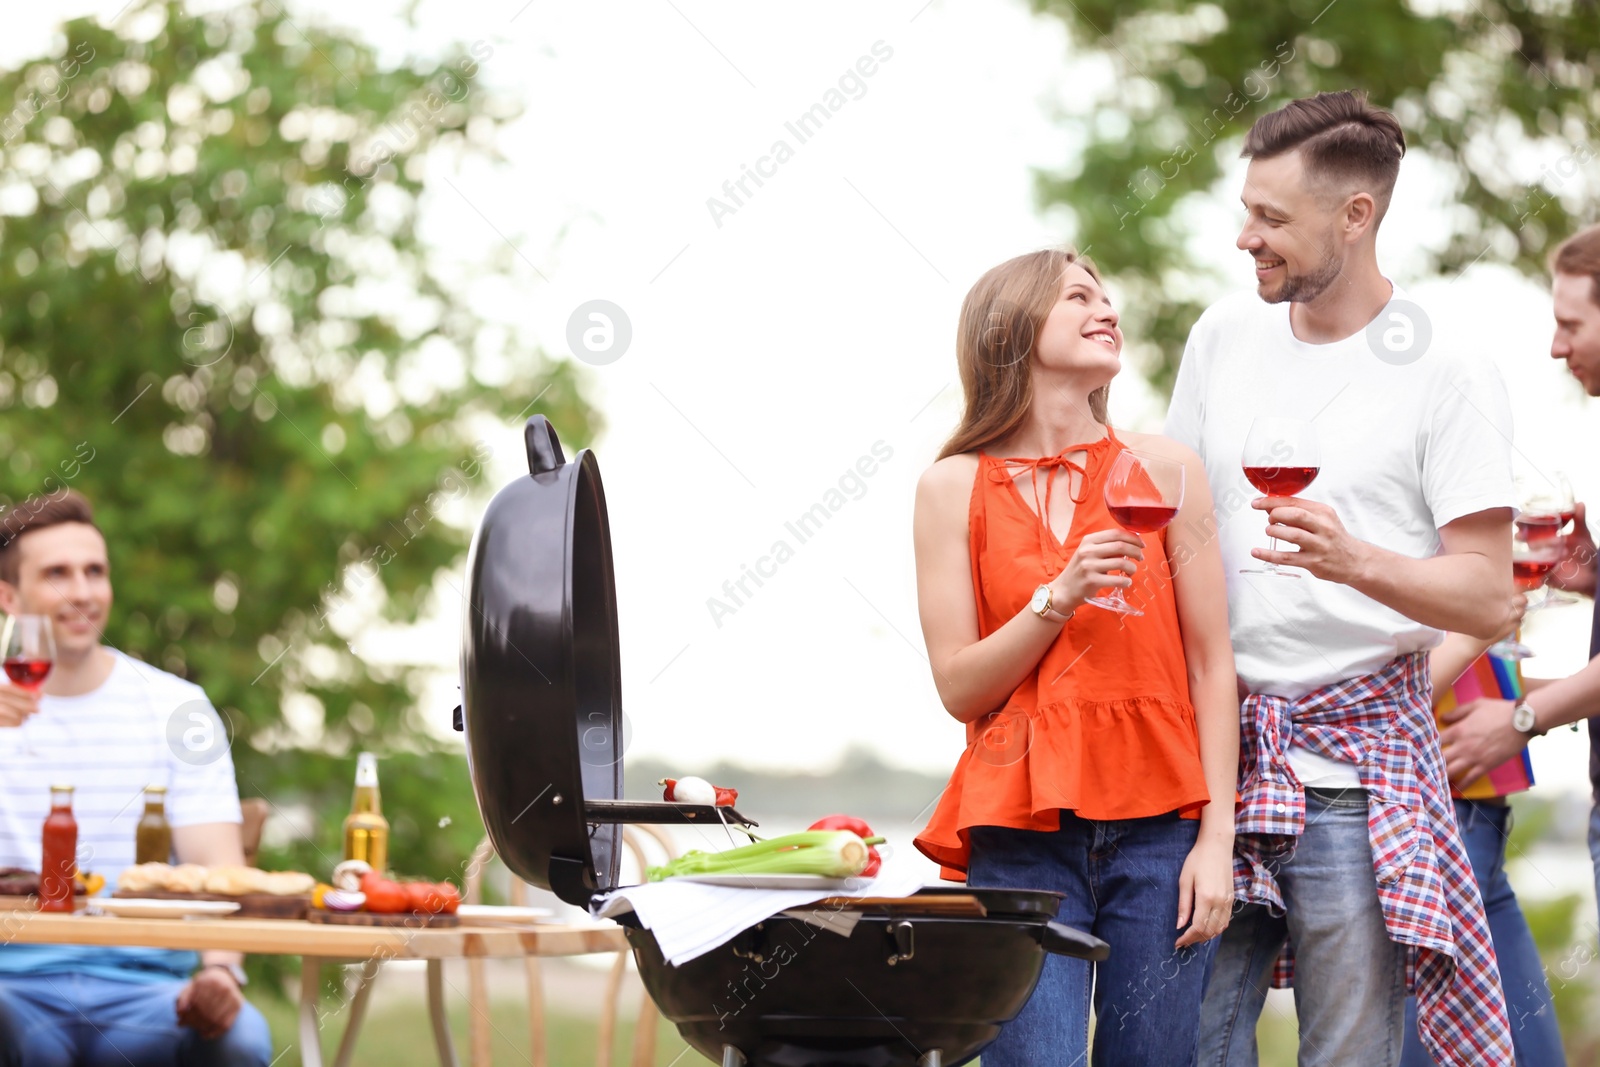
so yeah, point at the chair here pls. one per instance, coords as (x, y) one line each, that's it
(644, 1035)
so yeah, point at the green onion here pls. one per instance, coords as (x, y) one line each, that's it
(831, 853)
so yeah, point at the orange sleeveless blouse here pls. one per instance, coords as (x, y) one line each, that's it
(1103, 727)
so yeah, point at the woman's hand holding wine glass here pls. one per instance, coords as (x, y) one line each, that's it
(1104, 559)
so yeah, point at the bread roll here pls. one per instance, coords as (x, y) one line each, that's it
(186, 878)
(144, 878)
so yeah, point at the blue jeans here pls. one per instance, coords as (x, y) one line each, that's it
(1121, 884)
(1349, 979)
(1594, 846)
(1534, 1033)
(70, 1020)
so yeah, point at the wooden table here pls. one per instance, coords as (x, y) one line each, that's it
(318, 944)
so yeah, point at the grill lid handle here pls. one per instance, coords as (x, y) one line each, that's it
(1065, 941)
(544, 448)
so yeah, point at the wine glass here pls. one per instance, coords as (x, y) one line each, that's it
(1281, 458)
(1531, 564)
(1143, 493)
(28, 648)
(1546, 507)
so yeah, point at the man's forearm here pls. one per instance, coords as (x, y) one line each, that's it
(1568, 699)
(1460, 592)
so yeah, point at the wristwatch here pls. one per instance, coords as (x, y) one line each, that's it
(1042, 608)
(1524, 720)
(233, 969)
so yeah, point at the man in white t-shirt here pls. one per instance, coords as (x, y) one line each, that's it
(110, 726)
(1349, 862)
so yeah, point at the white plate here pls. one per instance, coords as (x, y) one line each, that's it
(775, 881)
(494, 913)
(136, 908)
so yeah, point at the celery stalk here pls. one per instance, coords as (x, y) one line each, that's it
(831, 853)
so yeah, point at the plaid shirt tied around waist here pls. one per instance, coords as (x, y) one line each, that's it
(1383, 724)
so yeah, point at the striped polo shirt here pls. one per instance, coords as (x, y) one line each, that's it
(141, 727)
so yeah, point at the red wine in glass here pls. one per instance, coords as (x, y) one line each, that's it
(1281, 481)
(1143, 493)
(1281, 458)
(29, 674)
(1142, 518)
(1529, 574)
(1541, 525)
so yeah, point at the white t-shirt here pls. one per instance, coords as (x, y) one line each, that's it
(1406, 447)
(141, 727)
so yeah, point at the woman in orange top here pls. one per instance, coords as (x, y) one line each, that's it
(1096, 742)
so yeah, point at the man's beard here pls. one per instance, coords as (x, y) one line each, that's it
(1304, 288)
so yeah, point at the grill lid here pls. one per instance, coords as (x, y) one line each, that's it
(541, 679)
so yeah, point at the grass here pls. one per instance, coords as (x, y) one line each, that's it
(398, 1035)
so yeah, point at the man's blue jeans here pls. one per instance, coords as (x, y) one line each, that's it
(1594, 846)
(1349, 979)
(1121, 884)
(1534, 1033)
(69, 1020)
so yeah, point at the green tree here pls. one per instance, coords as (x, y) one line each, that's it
(218, 322)
(1491, 90)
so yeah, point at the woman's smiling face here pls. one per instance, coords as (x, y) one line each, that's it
(1080, 333)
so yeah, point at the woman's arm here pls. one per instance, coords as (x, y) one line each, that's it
(1206, 887)
(1451, 659)
(973, 676)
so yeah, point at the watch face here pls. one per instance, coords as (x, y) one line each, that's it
(1522, 718)
(1041, 597)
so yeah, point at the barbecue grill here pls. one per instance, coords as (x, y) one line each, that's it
(915, 984)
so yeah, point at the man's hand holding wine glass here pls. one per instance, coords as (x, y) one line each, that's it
(17, 705)
(1326, 548)
(1576, 571)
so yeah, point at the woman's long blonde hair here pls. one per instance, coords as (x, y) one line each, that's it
(1000, 320)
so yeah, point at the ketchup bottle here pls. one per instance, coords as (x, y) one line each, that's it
(58, 866)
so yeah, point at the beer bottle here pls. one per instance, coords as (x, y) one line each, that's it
(366, 831)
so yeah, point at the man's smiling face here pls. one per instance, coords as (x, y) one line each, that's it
(63, 572)
(1290, 230)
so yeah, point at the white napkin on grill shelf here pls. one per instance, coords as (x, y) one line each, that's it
(689, 919)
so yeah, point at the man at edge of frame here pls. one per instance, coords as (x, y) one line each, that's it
(1481, 731)
(1352, 882)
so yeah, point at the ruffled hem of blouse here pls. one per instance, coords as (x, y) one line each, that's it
(1022, 769)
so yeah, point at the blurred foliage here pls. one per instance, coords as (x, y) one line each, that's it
(217, 321)
(1491, 89)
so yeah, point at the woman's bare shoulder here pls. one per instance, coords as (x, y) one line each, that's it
(949, 480)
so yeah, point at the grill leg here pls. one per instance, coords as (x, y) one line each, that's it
(931, 1058)
(732, 1057)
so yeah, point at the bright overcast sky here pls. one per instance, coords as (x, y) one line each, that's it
(771, 352)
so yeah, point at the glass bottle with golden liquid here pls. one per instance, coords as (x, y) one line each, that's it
(366, 831)
(153, 836)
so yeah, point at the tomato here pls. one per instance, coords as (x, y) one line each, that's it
(418, 895)
(450, 900)
(384, 897)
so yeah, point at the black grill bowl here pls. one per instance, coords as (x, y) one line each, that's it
(788, 994)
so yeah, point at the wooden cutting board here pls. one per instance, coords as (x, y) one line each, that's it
(251, 905)
(9, 903)
(415, 920)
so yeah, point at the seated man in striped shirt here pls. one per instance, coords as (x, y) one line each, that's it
(105, 723)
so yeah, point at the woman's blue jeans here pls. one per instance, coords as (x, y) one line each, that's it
(1485, 829)
(1121, 884)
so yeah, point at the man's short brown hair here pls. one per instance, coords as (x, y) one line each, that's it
(1580, 255)
(37, 513)
(1343, 139)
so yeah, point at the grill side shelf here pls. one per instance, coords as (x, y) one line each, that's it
(660, 811)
